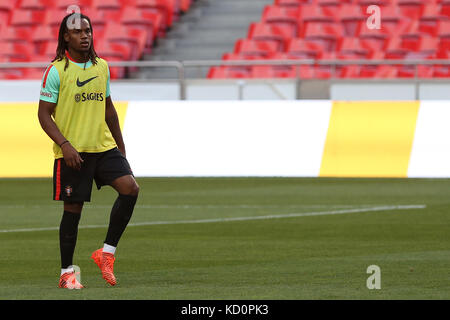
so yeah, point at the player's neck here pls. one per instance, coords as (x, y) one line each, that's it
(75, 56)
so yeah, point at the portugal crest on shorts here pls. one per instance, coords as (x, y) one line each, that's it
(68, 190)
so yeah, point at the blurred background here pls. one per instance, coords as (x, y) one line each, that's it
(353, 88)
(245, 49)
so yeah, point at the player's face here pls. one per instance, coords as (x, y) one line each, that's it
(80, 39)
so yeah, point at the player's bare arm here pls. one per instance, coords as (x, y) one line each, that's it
(71, 156)
(112, 120)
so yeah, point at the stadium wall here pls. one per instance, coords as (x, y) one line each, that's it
(300, 138)
(253, 89)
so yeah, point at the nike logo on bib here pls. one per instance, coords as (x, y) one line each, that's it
(82, 83)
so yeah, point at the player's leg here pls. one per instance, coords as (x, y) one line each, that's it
(68, 233)
(115, 171)
(122, 210)
(73, 187)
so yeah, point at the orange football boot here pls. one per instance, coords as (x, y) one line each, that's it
(105, 262)
(69, 280)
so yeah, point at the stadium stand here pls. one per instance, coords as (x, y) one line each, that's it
(123, 29)
(331, 29)
(204, 33)
(273, 30)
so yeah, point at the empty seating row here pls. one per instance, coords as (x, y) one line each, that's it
(338, 30)
(123, 29)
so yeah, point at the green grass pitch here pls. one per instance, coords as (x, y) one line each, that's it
(238, 238)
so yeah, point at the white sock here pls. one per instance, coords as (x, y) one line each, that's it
(109, 249)
(69, 269)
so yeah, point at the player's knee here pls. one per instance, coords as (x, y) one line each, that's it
(73, 207)
(134, 189)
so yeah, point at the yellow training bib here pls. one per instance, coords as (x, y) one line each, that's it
(80, 110)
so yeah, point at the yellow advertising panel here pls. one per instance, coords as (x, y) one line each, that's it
(26, 151)
(369, 139)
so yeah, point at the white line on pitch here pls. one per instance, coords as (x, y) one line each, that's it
(289, 215)
(193, 206)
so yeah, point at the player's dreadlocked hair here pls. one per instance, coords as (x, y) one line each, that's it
(62, 44)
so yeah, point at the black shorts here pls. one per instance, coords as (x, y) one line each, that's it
(76, 186)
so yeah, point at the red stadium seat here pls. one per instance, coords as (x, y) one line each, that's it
(128, 3)
(21, 18)
(373, 39)
(314, 13)
(445, 8)
(368, 71)
(443, 29)
(54, 17)
(6, 7)
(428, 22)
(98, 18)
(325, 33)
(268, 72)
(411, 36)
(113, 52)
(287, 71)
(108, 50)
(366, 3)
(106, 4)
(266, 31)
(276, 14)
(239, 72)
(255, 47)
(65, 4)
(348, 71)
(386, 72)
(395, 49)
(35, 4)
(217, 73)
(411, 8)
(41, 35)
(442, 71)
(442, 51)
(165, 7)
(15, 51)
(233, 56)
(185, 5)
(330, 3)
(50, 49)
(305, 49)
(234, 72)
(427, 47)
(291, 3)
(12, 34)
(21, 74)
(412, 71)
(135, 38)
(319, 71)
(352, 18)
(431, 11)
(354, 47)
(150, 21)
(110, 10)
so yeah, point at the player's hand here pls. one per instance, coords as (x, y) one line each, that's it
(71, 156)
